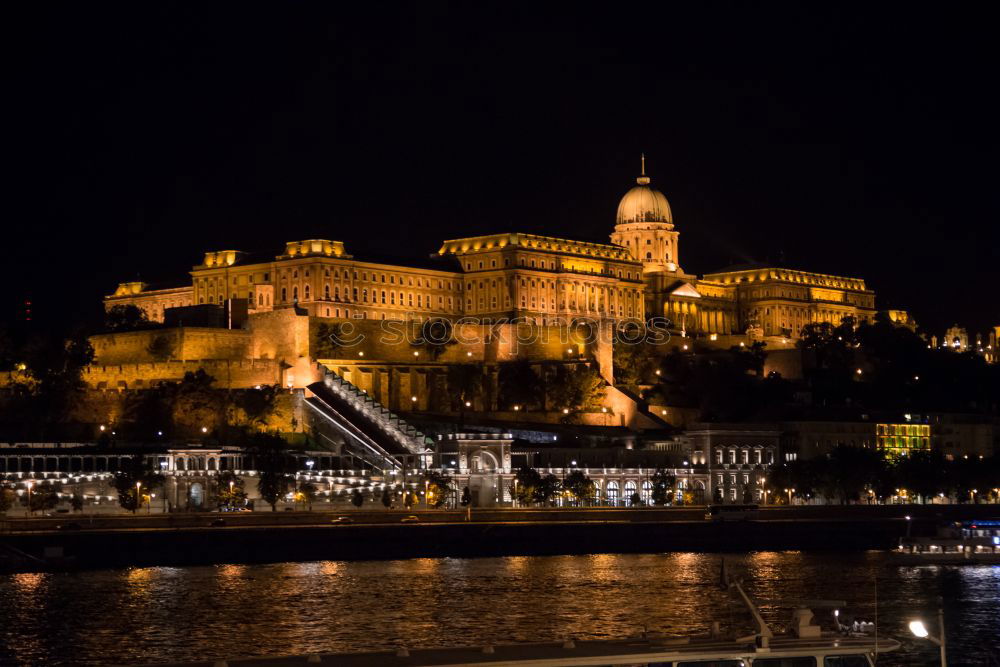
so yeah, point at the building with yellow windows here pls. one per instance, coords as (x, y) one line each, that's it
(902, 439)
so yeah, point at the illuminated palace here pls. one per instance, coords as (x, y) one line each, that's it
(536, 278)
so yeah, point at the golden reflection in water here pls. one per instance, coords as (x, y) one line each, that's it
(330, 567)
(515, 564)
(27, 582)
(230, 571)
(138, 583)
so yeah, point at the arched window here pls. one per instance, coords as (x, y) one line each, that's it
(647, 493)
(295, 294)
(612, 493)
(307, 292)
(630, 489)
(649, 255)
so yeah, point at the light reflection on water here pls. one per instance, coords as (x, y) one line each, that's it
(172, 614)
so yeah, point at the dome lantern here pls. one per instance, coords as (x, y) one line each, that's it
(643, 203)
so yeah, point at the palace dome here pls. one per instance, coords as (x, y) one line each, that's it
(643, 204)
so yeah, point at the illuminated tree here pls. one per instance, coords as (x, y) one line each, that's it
(229, 489)
(579, 487)
(663, 484)
(134, 478)
(524, 487)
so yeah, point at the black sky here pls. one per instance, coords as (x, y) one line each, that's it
(839, 139)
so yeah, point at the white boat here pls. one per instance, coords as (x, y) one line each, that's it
(957, 543)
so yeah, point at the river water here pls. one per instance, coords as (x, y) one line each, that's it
(191, 613)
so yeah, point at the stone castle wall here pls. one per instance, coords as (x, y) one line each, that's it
(185, 344)
(229, 374)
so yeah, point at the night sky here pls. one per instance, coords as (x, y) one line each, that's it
(827, 138)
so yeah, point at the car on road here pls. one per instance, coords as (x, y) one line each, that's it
(410, 519)
(732, 512)
(72, 525)
(218, 523)
(342, 520)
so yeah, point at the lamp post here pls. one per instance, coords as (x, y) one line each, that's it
(909, 522)
(920, 630)
(790, 492)
(29, 485)
(138, 498)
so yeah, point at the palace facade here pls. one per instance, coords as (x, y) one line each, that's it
(527, 277)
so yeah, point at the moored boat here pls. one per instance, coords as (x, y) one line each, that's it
(956, 543)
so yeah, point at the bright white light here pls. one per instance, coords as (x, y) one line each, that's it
(918, 629)
(907, 517)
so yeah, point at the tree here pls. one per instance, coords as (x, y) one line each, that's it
(197, 405)
(257, 404)
(466, 496)
(51, 368)
(306, 494)
(923, 474)
(576, 389)
(135, 476)
(161, 347)
(579, 487)
(272, 464)
(547, 489)
(634, 364)
(847, 471)
(519, 385)
(357, 498)
(125, 318)
(663, 484)
(44, 496)
(439, 488)
(716, 496)
(465, 384)
(229, 490)
(434, 338)
(635, 500)
(76, 502)
(386, 497)
(6, 499)
(525, 486)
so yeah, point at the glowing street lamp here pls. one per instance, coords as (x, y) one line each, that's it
(29, 485)
(918, 629)
(138, 498)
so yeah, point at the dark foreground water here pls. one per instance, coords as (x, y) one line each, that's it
(170, 614)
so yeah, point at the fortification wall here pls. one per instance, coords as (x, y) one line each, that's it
(394, 342)
(183, 343)
(243, 373)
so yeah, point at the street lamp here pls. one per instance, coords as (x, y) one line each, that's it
(789, 492)
(29, 485)
(918, 629)
(138, 498)
(908, 524)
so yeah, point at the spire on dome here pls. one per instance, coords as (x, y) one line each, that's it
(643, 179)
